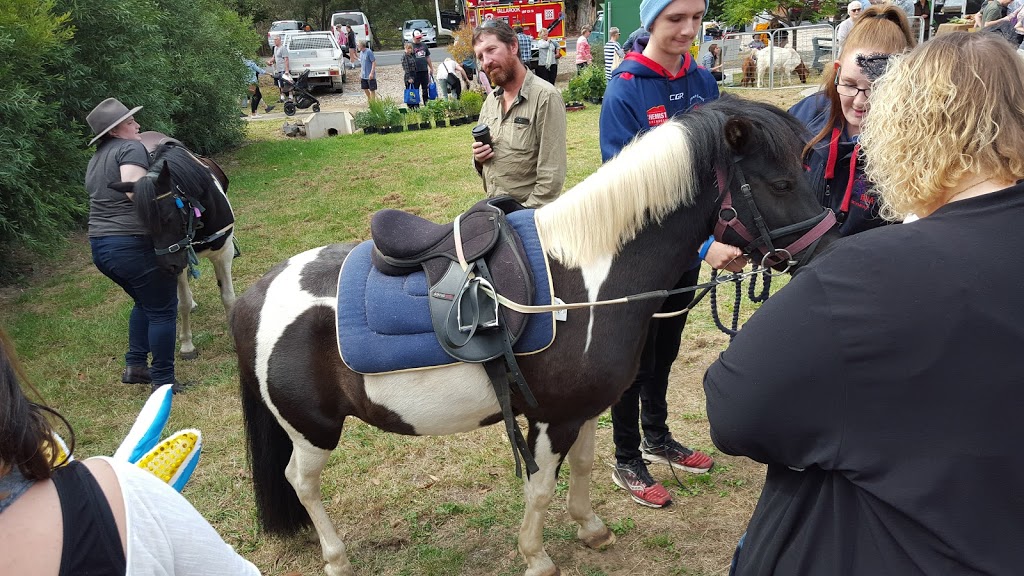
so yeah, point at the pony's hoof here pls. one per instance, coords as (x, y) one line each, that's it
(190, 355)
(600, 541)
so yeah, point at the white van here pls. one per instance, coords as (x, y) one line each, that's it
(355, 20)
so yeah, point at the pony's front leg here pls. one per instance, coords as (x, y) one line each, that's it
(185, 304)
(592, 530)
(303, 473)
(538, 489)
(222, 270)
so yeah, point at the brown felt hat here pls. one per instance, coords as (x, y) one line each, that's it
(107, 115)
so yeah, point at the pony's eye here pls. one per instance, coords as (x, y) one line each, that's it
(781, 186)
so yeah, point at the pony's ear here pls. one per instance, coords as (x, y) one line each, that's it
(123, 187)
(737, 133)
(163, 182)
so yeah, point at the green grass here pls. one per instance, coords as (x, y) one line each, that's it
(403, 505)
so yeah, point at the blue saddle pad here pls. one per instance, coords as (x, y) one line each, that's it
(384, 321)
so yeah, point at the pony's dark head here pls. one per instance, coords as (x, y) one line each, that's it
(166, 206)
(758, 167)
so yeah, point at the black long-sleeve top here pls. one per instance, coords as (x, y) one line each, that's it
(884, 388)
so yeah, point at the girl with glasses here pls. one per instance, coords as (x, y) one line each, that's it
(834, 115)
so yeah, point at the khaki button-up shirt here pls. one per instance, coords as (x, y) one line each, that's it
(529, 144)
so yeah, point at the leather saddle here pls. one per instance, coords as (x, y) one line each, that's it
(466, 262)
(467, 320)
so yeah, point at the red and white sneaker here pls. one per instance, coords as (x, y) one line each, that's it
(635, 479)
(675, 454)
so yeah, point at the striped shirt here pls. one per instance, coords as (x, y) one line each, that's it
(524, 47)
(611, 48)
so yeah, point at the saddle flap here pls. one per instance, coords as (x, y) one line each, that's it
(455, 300)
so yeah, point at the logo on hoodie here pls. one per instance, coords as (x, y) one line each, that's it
(657, 115)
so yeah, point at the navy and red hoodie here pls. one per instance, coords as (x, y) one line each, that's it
(642, 95)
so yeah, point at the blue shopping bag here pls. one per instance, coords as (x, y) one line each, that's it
(412, 96)
(432, 91)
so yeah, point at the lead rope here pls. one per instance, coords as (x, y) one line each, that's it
(733, 329)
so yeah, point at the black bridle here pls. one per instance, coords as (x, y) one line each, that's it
(728, 219)
(190, 210)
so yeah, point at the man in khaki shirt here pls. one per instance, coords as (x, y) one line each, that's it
(527, 122)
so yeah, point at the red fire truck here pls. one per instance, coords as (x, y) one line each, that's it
(532, 16)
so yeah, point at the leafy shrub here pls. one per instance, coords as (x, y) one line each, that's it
(462, 46)
(472, 101)
(589, 84)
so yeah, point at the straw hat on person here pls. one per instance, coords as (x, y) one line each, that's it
(107, 115)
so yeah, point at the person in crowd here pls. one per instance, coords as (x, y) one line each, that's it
(485, 83)
(922, 9)
(280, 63)
(712, 61)
(526, 117)
(100, 516)
(367, 71)
(451, 77)
(647, 90)
(613, 53)
(122, 248)
(881, 386)
(547, 57)
(524, 45)
(424, 73)
(255, 96)
(353, 47)
(584, 57)
(630, 45)
(408, 65)
(342, 38)
(991, 13)
(834, 117)
(307, 27)
(854, 10)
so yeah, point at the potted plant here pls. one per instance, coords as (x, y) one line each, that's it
(392, 114)
(438, 111)
(595, 82)
(364, 120)
(472, 102)
(412, 120)
(377, 116)
(457, 112)
(425, 115)
(572, 104)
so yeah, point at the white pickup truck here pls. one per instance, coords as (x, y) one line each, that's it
(319, 53)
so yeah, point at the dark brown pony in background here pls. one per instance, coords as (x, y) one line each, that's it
(633, 226)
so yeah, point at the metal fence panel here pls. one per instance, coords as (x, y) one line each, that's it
(814, 46)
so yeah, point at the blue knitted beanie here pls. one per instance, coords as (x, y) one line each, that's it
(649, 10)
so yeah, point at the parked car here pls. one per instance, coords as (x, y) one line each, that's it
(424, 26)
(596, 37)
(319, 53)
(282, 27)
(355, 20)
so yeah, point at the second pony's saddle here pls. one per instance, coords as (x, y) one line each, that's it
(466, 263)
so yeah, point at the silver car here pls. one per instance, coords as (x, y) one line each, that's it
(424, 26)
(282, 27)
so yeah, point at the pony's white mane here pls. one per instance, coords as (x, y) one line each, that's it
(644, 183)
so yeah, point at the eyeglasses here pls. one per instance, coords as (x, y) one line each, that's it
(849, 90)
(855, 10)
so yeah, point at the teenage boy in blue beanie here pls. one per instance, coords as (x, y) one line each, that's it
(645, 91)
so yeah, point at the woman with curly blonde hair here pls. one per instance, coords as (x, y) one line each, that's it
(833, 117)
(882, 385)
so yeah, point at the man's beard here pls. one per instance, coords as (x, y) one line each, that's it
(502, 73)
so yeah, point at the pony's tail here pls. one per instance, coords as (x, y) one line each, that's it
(268, 445)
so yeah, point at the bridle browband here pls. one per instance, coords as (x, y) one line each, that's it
(728, 219)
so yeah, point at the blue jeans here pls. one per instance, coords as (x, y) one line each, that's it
(131, 263)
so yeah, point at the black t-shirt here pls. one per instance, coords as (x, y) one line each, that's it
(420, 52)
(884, 388)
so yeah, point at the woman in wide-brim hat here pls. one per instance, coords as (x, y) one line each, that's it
(123, 250)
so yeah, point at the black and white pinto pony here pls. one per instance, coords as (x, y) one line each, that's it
(633, 226)
(183, 203)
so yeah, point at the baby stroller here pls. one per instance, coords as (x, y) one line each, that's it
(297, 94)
